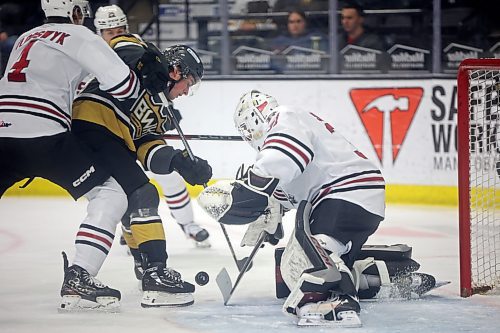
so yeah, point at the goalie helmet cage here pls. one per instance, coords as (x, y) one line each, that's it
(479, 174)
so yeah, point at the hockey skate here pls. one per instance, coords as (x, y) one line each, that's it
(138, 270)
(339, 311)
(197, 234)
(163, 287)
(81, 291)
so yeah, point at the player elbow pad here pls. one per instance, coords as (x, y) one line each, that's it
(160, 160)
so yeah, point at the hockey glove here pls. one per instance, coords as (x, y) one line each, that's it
(196, 172)
(169, 123)
(152, 68)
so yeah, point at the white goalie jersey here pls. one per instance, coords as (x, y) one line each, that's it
(313, 162)
(44, 70)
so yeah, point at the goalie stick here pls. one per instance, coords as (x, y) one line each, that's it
(204, 137)
(224, 280)
(239, 262)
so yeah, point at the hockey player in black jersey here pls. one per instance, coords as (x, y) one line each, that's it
(119, 133)
(111, 21)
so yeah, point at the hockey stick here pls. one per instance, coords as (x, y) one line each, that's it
(239, 263)
(204, 137)
(224, 280)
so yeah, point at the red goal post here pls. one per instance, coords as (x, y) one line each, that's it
(479, 175)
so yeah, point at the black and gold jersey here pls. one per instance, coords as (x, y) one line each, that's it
(139, 122)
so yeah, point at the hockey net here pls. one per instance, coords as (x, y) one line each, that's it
(479, 175)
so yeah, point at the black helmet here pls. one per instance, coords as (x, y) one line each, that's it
(186, 59)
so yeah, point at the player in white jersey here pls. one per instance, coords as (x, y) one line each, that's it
(302, 158)
(36, 95)
(111, 21)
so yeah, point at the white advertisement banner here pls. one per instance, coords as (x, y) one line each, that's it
(407, 126)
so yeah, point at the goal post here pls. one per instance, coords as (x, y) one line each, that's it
(479, 175)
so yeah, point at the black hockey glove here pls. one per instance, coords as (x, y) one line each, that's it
(198, 172)
(152, 69)
(169, 124)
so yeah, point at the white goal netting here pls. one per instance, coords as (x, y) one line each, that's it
(483, 104)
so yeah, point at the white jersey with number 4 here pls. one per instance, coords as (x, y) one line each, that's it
(313, 162)
(43, 72)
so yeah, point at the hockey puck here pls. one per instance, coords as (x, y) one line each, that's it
(201, 278)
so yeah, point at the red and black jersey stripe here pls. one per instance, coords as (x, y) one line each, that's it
(129, 87)
(365, 180)
(38, 107)
(297, 151)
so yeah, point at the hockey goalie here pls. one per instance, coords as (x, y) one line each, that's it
(303, 163)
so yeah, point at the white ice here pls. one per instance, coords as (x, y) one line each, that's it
(34, 231)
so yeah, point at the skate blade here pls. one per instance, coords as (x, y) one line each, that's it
(155, 299)
(205, 244)
(73, 303)
(346, 319)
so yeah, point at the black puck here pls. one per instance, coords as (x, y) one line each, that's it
(201, 278)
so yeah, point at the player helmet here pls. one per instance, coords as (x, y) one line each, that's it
(64, 8)
(253, 112)
(108, 17)
(187, 61)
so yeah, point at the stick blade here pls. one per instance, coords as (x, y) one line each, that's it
(225, 284)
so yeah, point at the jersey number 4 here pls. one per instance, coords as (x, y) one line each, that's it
(16, 71)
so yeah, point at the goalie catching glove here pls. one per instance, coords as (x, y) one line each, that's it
(197, 172)
(152, 69)
(239, 201)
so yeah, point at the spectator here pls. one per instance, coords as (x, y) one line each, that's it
(305, 5)
(299, 35)
(352, 18)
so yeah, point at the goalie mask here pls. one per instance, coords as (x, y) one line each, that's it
(188, 62)
(109, 17)
(252, 116)
(64, 8)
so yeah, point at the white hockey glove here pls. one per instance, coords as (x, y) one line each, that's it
(269, 222)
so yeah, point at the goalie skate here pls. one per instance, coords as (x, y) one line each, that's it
(163, 287)
(82, 292)
(338, 312)
(197, 234)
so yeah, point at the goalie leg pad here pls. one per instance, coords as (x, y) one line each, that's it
(391, 279)
(393, 252)
(310, 273)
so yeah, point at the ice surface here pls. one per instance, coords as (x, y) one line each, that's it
(34, 231)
